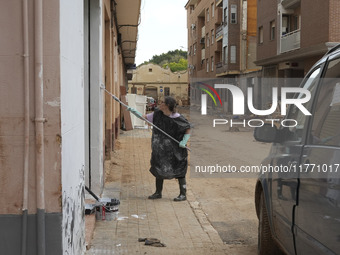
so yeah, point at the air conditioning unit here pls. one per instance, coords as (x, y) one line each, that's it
(192, 67)
(193, 26)
(202, 40)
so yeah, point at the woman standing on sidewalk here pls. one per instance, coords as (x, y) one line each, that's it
(168, 159)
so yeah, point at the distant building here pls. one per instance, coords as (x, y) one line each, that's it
(154, 81)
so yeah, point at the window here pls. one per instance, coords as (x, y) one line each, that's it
(190, 51)
(212, 36)
(207, 65)
(212, 10)
(194, 49)
(233, 54)
(225, 54)
(166, 91)
(233, 14)
(212, 64)
(225, 19)
(272, 30)
(150, 70)
(296, 133)
(326, 120)
(208, 17)
(208, 39)
(285, 24)
(296, 23)
(261, 34)
(192, 8)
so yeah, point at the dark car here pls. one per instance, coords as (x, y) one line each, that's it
(298, 200)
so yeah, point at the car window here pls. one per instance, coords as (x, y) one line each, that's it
(326, 120)
(294, 113)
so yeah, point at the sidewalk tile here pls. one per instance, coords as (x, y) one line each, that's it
(182, 226)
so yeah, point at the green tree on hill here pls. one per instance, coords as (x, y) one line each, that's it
(181, 65)
(176, 60)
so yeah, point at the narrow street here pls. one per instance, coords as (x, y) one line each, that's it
(218, 217)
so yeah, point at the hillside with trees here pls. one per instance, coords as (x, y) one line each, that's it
(176, 60)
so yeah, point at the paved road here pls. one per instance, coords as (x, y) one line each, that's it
(227, 202)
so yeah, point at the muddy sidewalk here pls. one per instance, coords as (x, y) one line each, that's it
(182, 226)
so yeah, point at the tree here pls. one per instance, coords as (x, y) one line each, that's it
(181, 65)
(176, 60)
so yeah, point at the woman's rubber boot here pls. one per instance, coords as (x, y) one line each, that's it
(159, 188)
(183, 190)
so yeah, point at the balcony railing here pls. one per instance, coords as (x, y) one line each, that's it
(219, 33)
(290, 41)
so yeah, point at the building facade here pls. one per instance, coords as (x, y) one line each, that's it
(291, 36)
(154, 81)
(294, 34)
(222, 46)
(55, 120)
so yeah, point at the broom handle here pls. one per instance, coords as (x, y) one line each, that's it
(141, 117)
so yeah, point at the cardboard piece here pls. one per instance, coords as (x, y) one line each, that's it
(126, 113)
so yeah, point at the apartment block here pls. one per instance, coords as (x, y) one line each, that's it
(294, 34)
(203, 19)
(231, 58)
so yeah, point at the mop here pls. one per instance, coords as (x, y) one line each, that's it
(141, 117)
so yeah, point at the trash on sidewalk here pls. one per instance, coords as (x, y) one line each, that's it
(122, 218)
(89, 209)
(142, 217)
(107, 209)
(152, 242)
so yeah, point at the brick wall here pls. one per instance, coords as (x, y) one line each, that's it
(234, 36)
(266, 12)
(334, 16)
(314, 22)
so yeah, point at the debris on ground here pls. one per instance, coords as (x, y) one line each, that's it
(152, 242)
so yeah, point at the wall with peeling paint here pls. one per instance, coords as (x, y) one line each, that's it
(72, 125)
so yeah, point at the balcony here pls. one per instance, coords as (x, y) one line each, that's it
(218, 19)
(219, 33)
(221, 68)
(219, 3)
(290, 41)
(203, 54)
(203, 32)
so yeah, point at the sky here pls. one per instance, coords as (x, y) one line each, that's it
(163, 27)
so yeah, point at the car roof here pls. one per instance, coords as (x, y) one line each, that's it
(333, 50)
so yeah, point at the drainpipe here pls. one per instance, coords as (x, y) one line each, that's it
(39, 126)
(26, 131)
